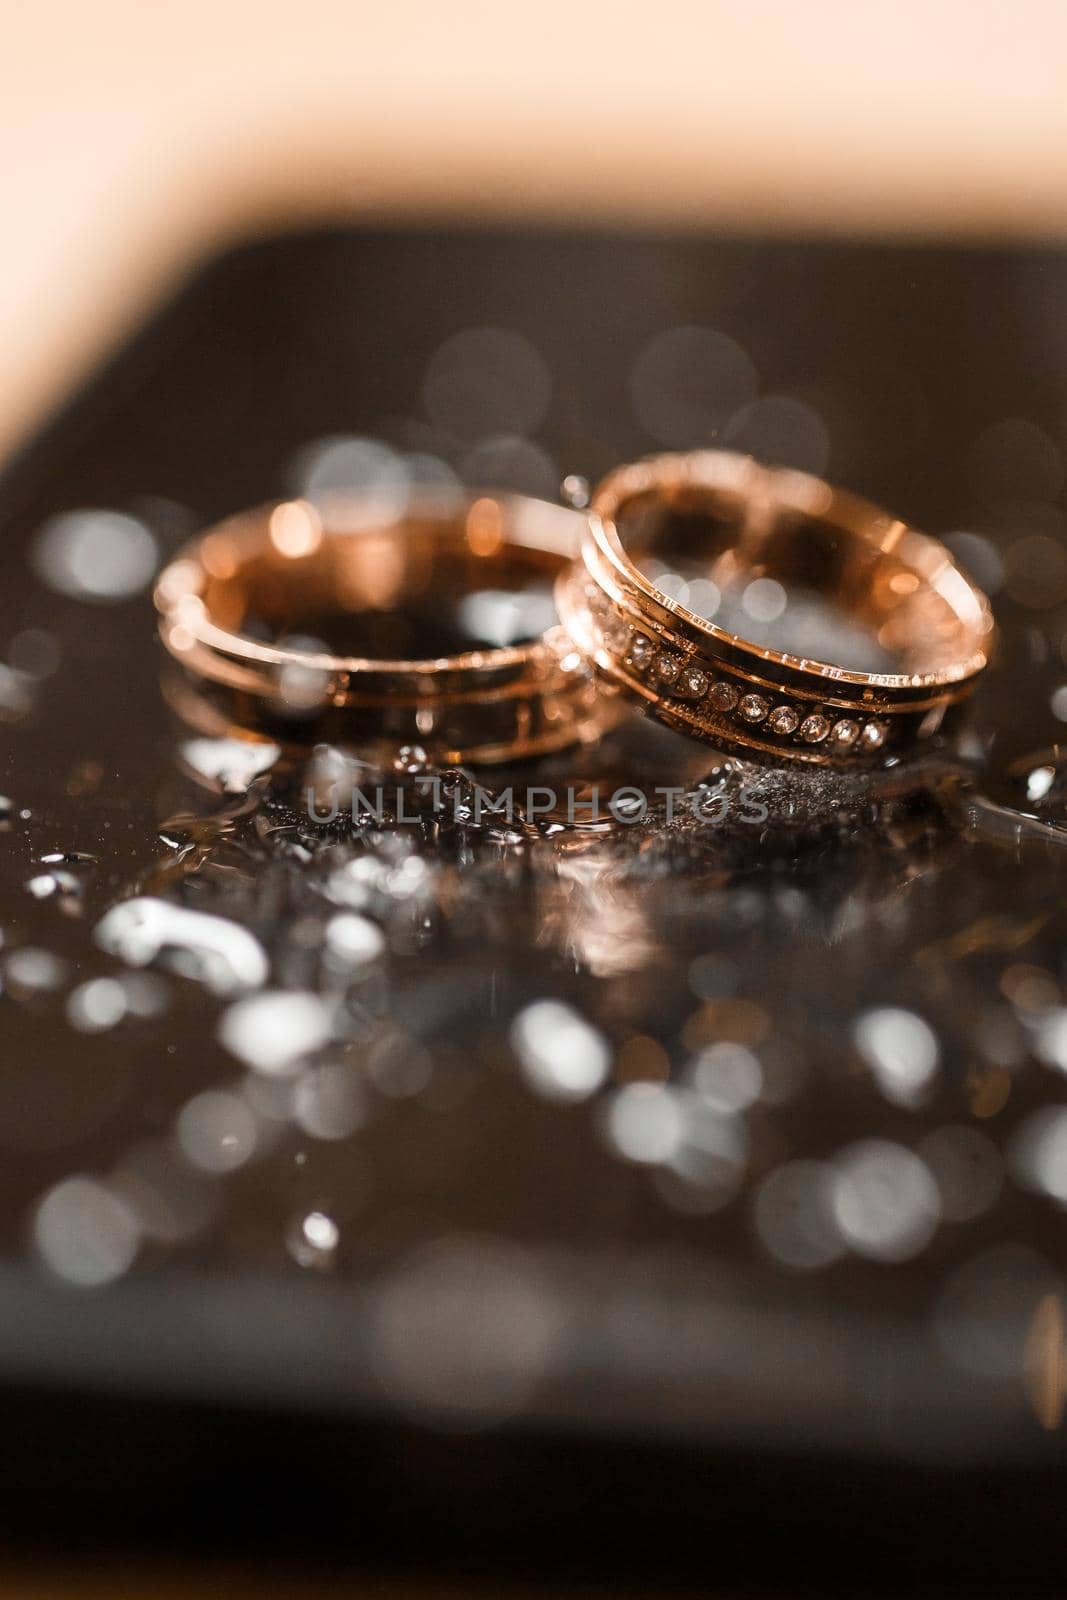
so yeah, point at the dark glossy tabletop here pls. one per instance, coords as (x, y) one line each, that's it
(796, 1201)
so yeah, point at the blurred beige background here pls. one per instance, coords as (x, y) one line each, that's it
(134, 136)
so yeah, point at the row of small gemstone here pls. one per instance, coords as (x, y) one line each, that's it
(693, 683)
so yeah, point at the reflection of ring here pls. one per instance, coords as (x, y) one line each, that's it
(243, 608)
(743, 535)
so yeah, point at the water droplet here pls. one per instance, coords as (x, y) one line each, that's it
(98, 556)
(312, 1240)
(209, 949)
(85, 1232)
(645, 1122)
(329, 1101)
(687, 381)
(574, 491)
(273, 1031)
(901, 1051)
(232, 763)
(353, 940)
(217, 1131)
(794, 1215)
(485, 380)
(885, 1200)
(96, 1005)
(560, 1054)
(362, 481)
(30, 971)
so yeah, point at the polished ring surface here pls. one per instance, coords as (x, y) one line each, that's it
(924, 630)
(278, 570)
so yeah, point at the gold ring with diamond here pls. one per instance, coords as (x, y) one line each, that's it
(711, 589)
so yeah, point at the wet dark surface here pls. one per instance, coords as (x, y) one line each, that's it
(738, 1137)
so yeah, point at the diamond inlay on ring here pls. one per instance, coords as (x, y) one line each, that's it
(723, 696)
(784, 720)
(813, 729)
(641, 651)
(692, 683)
(753, 707)
(686, 682)
(845, 733)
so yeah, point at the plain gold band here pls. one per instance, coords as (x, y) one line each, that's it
(486, 705)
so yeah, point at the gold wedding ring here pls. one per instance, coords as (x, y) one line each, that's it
(231, 603)
(923, 629)
(243, 607)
